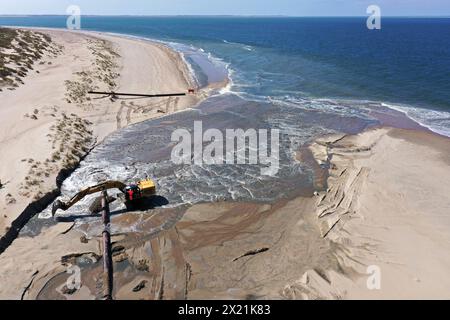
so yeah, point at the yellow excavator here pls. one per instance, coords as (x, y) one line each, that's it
(143, 189)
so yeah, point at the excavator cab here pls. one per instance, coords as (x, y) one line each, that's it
(132, 192)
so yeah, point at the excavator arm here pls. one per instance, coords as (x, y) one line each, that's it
(58, 204)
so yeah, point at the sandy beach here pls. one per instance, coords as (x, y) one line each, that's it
(48, 122)
(381, 198)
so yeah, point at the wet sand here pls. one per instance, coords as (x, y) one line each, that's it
(221, 250)
(385, 205)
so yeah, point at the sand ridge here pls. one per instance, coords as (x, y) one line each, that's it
(387, 206)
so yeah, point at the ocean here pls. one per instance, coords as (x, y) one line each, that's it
(304, 76)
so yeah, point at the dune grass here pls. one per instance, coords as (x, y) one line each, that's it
(19, 51)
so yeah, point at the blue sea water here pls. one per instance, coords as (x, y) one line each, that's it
(304, 76)
(406, 65)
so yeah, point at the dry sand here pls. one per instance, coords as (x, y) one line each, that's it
(388, 206)
(43, 122)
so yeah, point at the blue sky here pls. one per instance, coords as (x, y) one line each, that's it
(230, 7)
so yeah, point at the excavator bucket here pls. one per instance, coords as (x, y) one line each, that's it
(58, 204)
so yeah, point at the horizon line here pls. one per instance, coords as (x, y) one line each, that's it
(223, 15)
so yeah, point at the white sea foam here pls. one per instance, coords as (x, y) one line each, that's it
(240, 45)
(436, 121)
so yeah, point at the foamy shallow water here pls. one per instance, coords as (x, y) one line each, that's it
(144, 150)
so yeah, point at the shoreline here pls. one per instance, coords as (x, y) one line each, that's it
(399, 119)
(165, 44)
(394, 107)
(67, 66)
